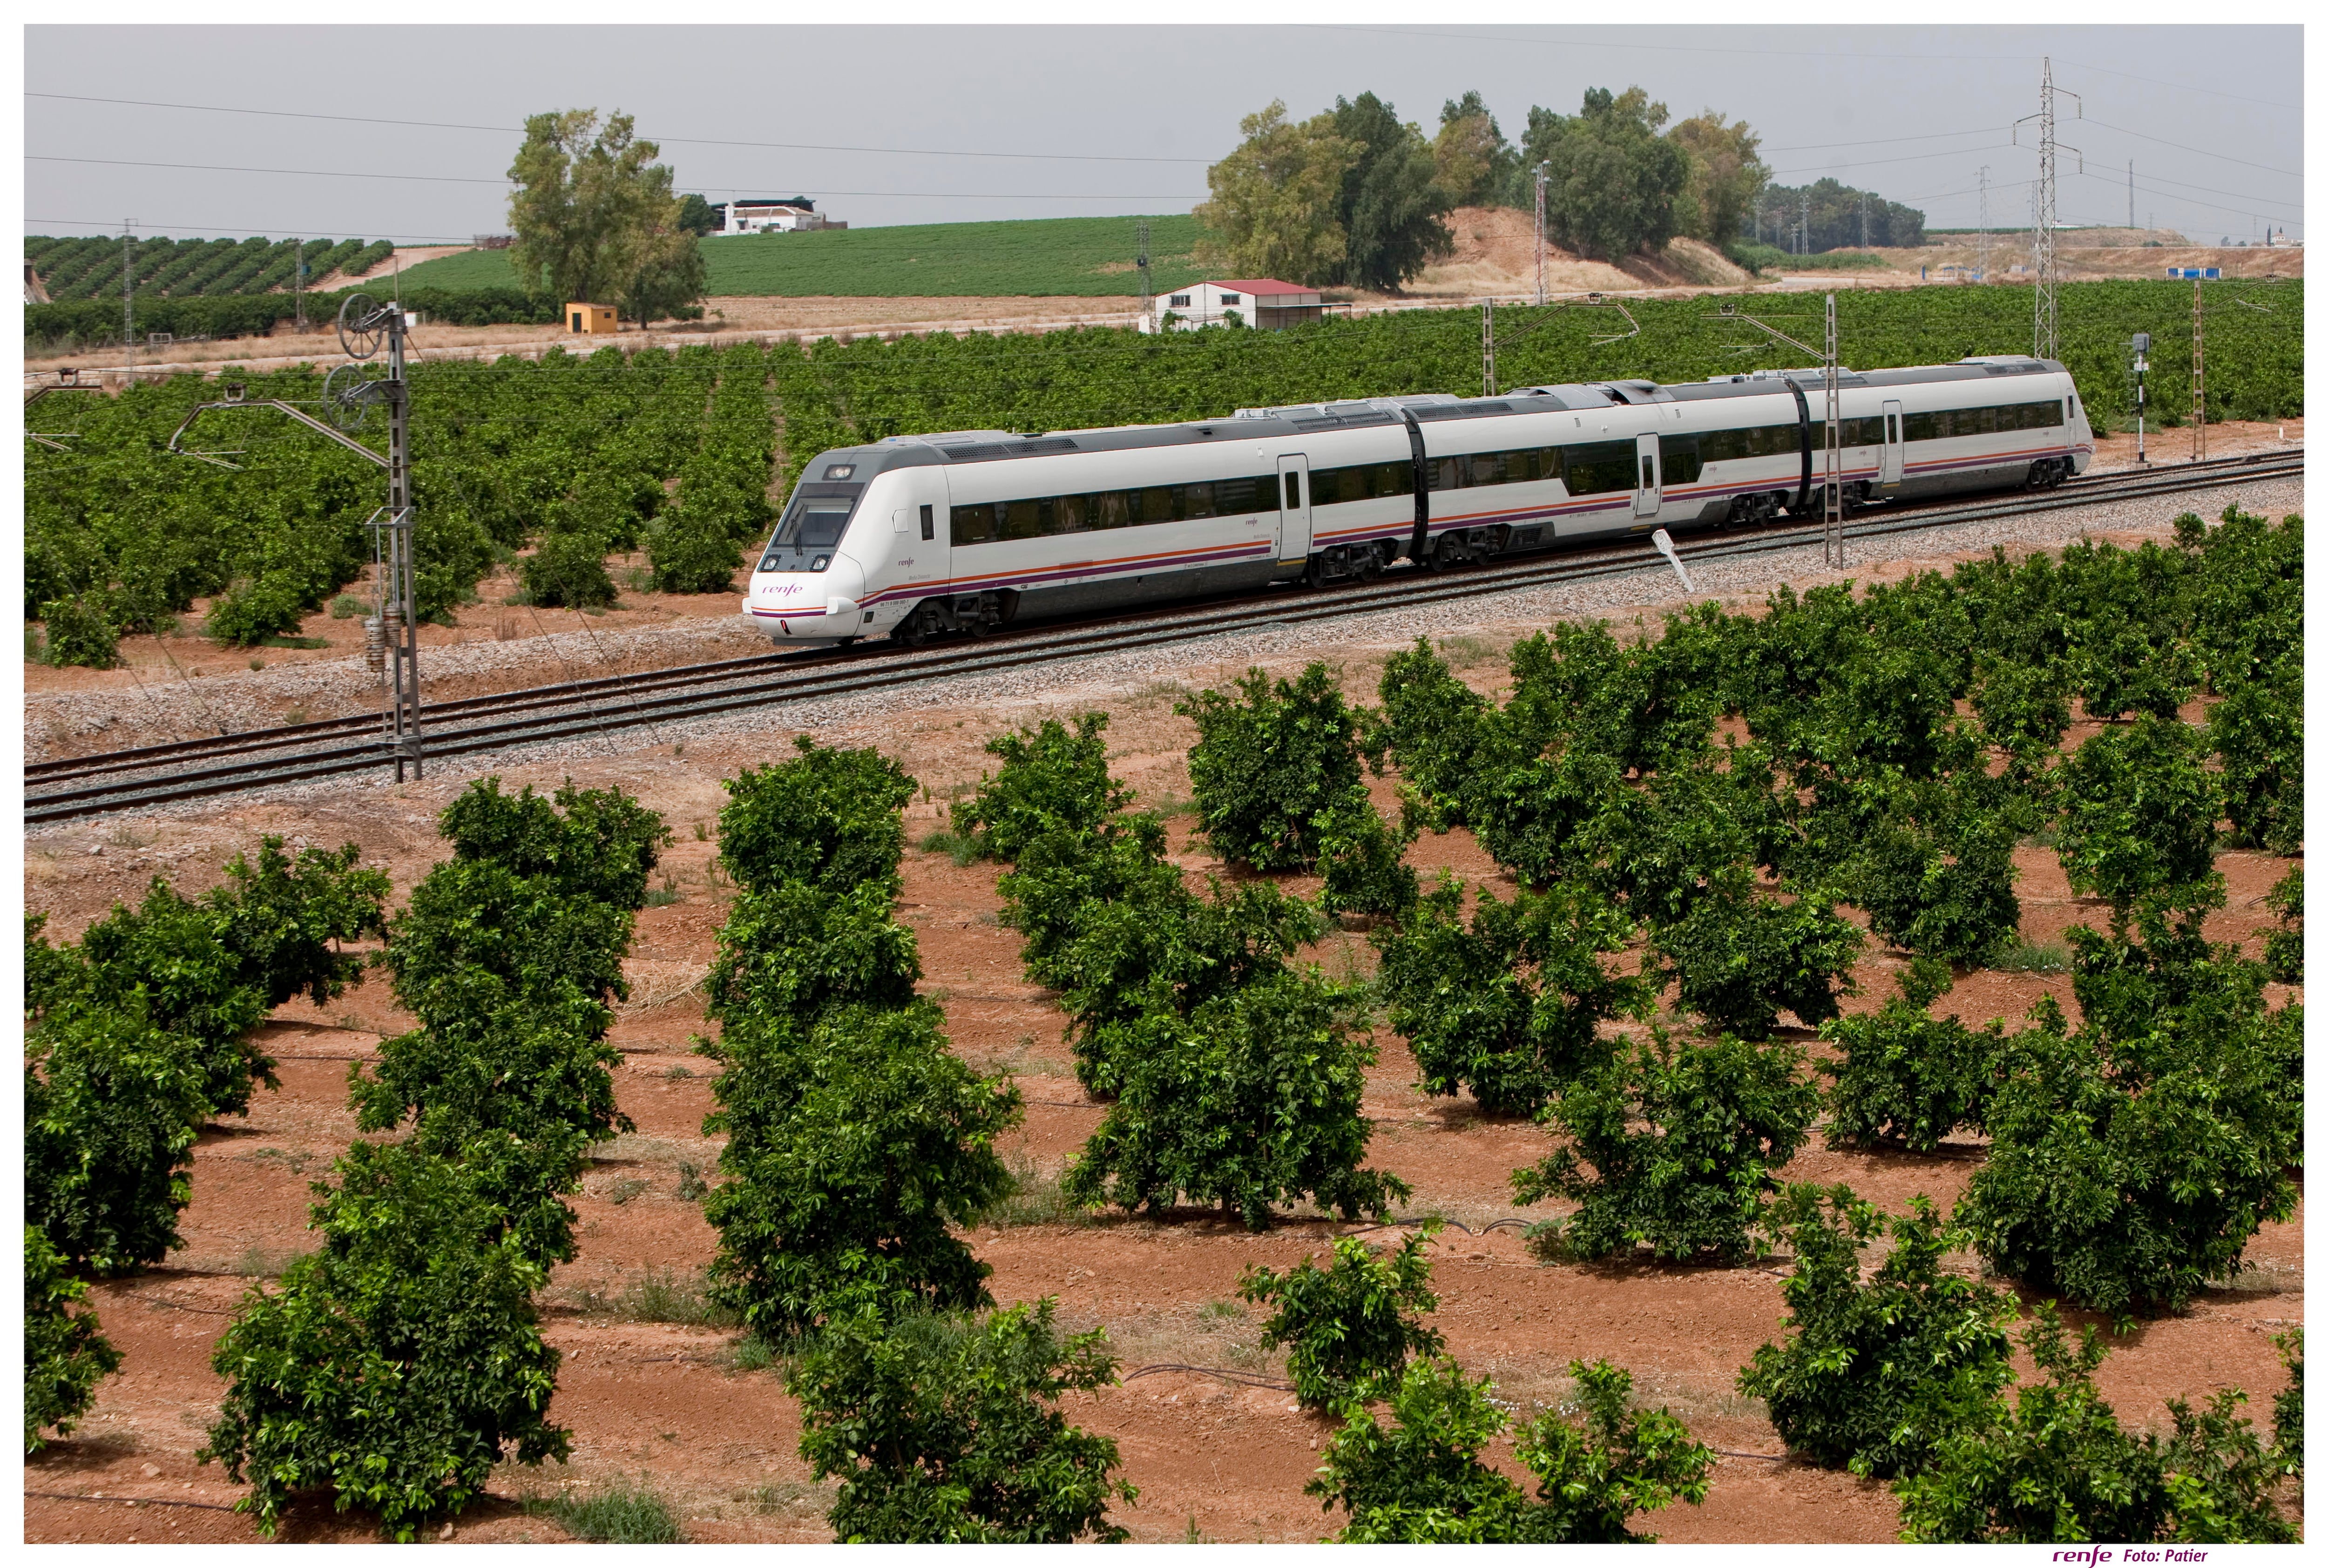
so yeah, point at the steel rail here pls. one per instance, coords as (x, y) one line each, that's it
(697, 690)
(582, 691)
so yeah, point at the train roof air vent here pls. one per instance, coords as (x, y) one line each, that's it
(987, 451)
(1460, 410)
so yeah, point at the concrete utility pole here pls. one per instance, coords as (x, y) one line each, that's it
(1544, 174)
(298, 281)
(129, 323)
(1147, 291)
(1803, 229)
(1862, 219)
(2140, 397)
(1833, 533)
(1984, 223)
(2198, 372)
(1488, 347)
(2048, 325)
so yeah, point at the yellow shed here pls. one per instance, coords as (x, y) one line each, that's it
(589, 318)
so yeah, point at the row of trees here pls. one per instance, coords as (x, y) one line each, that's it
(856, 1145)
(1903, 1373)
(1836, 212)
(1355, 196)
(137, 1037)
(392, 1368)
(1900, 1374)
(1235, 1079)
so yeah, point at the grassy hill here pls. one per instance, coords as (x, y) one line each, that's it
(1086, 256)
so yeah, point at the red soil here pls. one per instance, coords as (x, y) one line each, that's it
(660, 1401)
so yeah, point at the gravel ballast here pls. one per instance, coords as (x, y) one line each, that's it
(200, 708)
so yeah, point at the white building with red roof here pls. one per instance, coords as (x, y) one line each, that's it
(1259, 302)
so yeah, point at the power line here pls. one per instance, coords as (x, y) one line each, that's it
(2275, 204)
(2202, 152)
(2295, 205)
(1882, 141)
(243, 169)
(1565, 43)
(469, 180)
(1909, 158)
(684, 141)
(245, 229)
(2186, 87)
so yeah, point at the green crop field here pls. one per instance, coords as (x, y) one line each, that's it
(88, 266)
(1078, 256)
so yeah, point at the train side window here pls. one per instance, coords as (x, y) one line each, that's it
(972, 524)
(929, 523)
(1196, 501)
(1019, 520)
(1067, 513)
(1294, 493)
(1111, 509)
(1680, 457)
(1598, 467)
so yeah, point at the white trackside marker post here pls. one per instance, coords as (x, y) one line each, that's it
(1664, 541)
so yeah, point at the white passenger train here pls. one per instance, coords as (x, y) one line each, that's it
(967, 530)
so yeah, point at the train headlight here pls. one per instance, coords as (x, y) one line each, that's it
(820, 563)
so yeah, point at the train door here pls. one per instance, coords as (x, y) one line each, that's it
(1649, 496)
(1894, 449)
(1293, 509)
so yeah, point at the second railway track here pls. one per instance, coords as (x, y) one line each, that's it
(67, 788)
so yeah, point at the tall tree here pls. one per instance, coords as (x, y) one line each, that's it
(1726, 175)
(1616, 184)
(1834, 211)
(1272, 212)
(1391, 208)
(1477, 166)
(595, 218)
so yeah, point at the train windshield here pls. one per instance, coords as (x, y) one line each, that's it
(811, 526)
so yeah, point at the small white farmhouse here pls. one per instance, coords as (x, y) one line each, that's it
(1259, 302)
(788, 216)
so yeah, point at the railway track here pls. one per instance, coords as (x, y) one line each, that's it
(67, 788)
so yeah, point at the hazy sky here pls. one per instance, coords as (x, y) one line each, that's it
(1118, 119)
